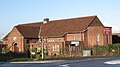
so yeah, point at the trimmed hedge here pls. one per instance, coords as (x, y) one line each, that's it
(106, 50)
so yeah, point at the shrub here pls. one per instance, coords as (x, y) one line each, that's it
(105, 50)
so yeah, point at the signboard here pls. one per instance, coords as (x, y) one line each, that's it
(107, 30)
(33, 53)
(86, 52)
(75, 42)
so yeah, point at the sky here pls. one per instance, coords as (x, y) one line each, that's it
(14, 12)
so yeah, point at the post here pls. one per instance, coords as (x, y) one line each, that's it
(42, 48)
(70, 49)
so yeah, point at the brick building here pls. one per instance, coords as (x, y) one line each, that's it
(58, 35)
(115, 38)
(2, 47)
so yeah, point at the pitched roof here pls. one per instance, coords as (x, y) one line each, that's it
(60, 27)
(36, 24)
(6, 36)
(55, 27)
(1, 42)
(28, 31)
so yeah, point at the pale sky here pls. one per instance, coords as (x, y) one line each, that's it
(14, 12)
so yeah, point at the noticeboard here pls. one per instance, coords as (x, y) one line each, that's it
(107, 30)
(76, 42)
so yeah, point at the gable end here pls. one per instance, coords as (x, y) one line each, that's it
(96, 22)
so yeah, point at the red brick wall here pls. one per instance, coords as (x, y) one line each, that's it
(48, 45)
(30, 42)
(85, 39)
(55, 39)
(5, 41)
(93, 32)
(19, 41)
(52, 42)
(96, 22)
(71, 37)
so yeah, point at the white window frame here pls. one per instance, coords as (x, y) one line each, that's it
(56, 48)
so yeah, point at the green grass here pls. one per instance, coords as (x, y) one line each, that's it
(21, 59)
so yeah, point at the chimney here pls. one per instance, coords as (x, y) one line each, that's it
(46, 20)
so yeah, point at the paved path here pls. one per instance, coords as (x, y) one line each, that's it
(89, 62)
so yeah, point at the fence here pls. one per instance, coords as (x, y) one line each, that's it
(105, 50)
(15, 55)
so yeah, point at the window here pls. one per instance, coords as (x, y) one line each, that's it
(75, 37)
(98, 39)
(55, 47)
(27, 41)
(14, 38)
(51, 40)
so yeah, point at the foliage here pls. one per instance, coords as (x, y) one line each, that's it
(7, 49)
(34, 50)
(106, 50)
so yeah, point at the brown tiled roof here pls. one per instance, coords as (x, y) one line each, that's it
(6, 37)
(37, 24)
(55, 27)
(60, 27)
(28, 31)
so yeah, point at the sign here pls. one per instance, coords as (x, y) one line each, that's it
(33, 53)
(107, 30)
(86, 53)
(75, 42)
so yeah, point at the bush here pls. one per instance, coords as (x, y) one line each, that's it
(106, 50)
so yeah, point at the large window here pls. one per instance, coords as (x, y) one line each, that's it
(98, 39)
(51, 40)
(55, 47)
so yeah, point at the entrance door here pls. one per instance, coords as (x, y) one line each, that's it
(16, 49)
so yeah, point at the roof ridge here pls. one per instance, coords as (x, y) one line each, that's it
(59, 20)
(31, 30)
(29, 23)
(73, 18)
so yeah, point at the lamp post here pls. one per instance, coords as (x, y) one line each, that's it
(42, 41)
